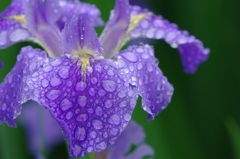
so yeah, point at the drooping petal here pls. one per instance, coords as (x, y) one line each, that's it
(116, 28)
(92, 111)
(39, 24)
(72, 7)
(79, 37)
(140, 68)
(42, 131)
(14, 88)
(12, 24)
(191, 50)
(132, 135)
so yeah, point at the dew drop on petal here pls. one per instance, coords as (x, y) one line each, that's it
(53, 94)
(55, 82)
(45, 82)
(80, 133)
(108, 104)
(69, 115)
(47, 68)
(114, 119)
(97, 124)
(130, 56)
(65, 104)
(94, 80)
(82, 117)
(127, 117)
(64, 72)
(93, 134)
(18, 35)
(76, 150)
(80, 86)
(114, 131)
(109, 85)
(91, 91)
(123, 104)
(121, 94)
(98, 111)
(56, 62)
(3, 38)
(82, 101)
(101, 145)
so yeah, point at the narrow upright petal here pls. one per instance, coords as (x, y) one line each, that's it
(132, 135)
(40, 25)
(80, 38)
(140, 69)
(116, 28)
(191, 50)
(14, 87)
(42, 131)
(69, 8)
(12, 24)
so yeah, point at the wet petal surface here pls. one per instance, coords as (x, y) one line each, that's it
(191, 50)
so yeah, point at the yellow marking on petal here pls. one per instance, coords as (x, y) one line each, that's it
(85, 63)
(136, 19)
(17, 17)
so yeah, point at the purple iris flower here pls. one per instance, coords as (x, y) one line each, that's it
(88, 84)
(41, 129)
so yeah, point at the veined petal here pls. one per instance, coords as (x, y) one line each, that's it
(70, 8)
(14, 88)
(80, 38)
(191, 50)
(132, 135)
(42, 131)
(140, 69)
(116, 28)
(12, 24)
(45, 31)
(92, 110)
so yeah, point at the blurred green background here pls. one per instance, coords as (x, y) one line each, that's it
(202, 121)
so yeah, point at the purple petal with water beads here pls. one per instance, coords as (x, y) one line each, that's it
(42, 131)
(79, 37)
(191, 50)
(12, 24)
(142, 71)
(14, 86)
(132, 135)
(70, 8)
(115, 29)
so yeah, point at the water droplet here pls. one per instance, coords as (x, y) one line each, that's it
(108, 104)
(69, 115)
(114, 119)
(82, 117)
(4, 106)
(93, 134)
(97, 124)
(91, 91)
(139, 66)
(80, 133)
(64, 72)
(101, 92)
(80, 86)
(109, 85)
(123, 104)
(98, 111)
(47, 68)
(110, 72)
(114, 131)
(89, 149)
(121, 94)
(82, 101)
(101, 145)
(105, 134)
(53, 94)
(127, 117)
(76, 150)
(149, 67)
(159, 34)
(56, 62)
(94, 80)
(144, 24)
(170, 36)
(3, 37)
(55, 81)
(45, 82)
(65, 104)
(133, 103)
(130, 56)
